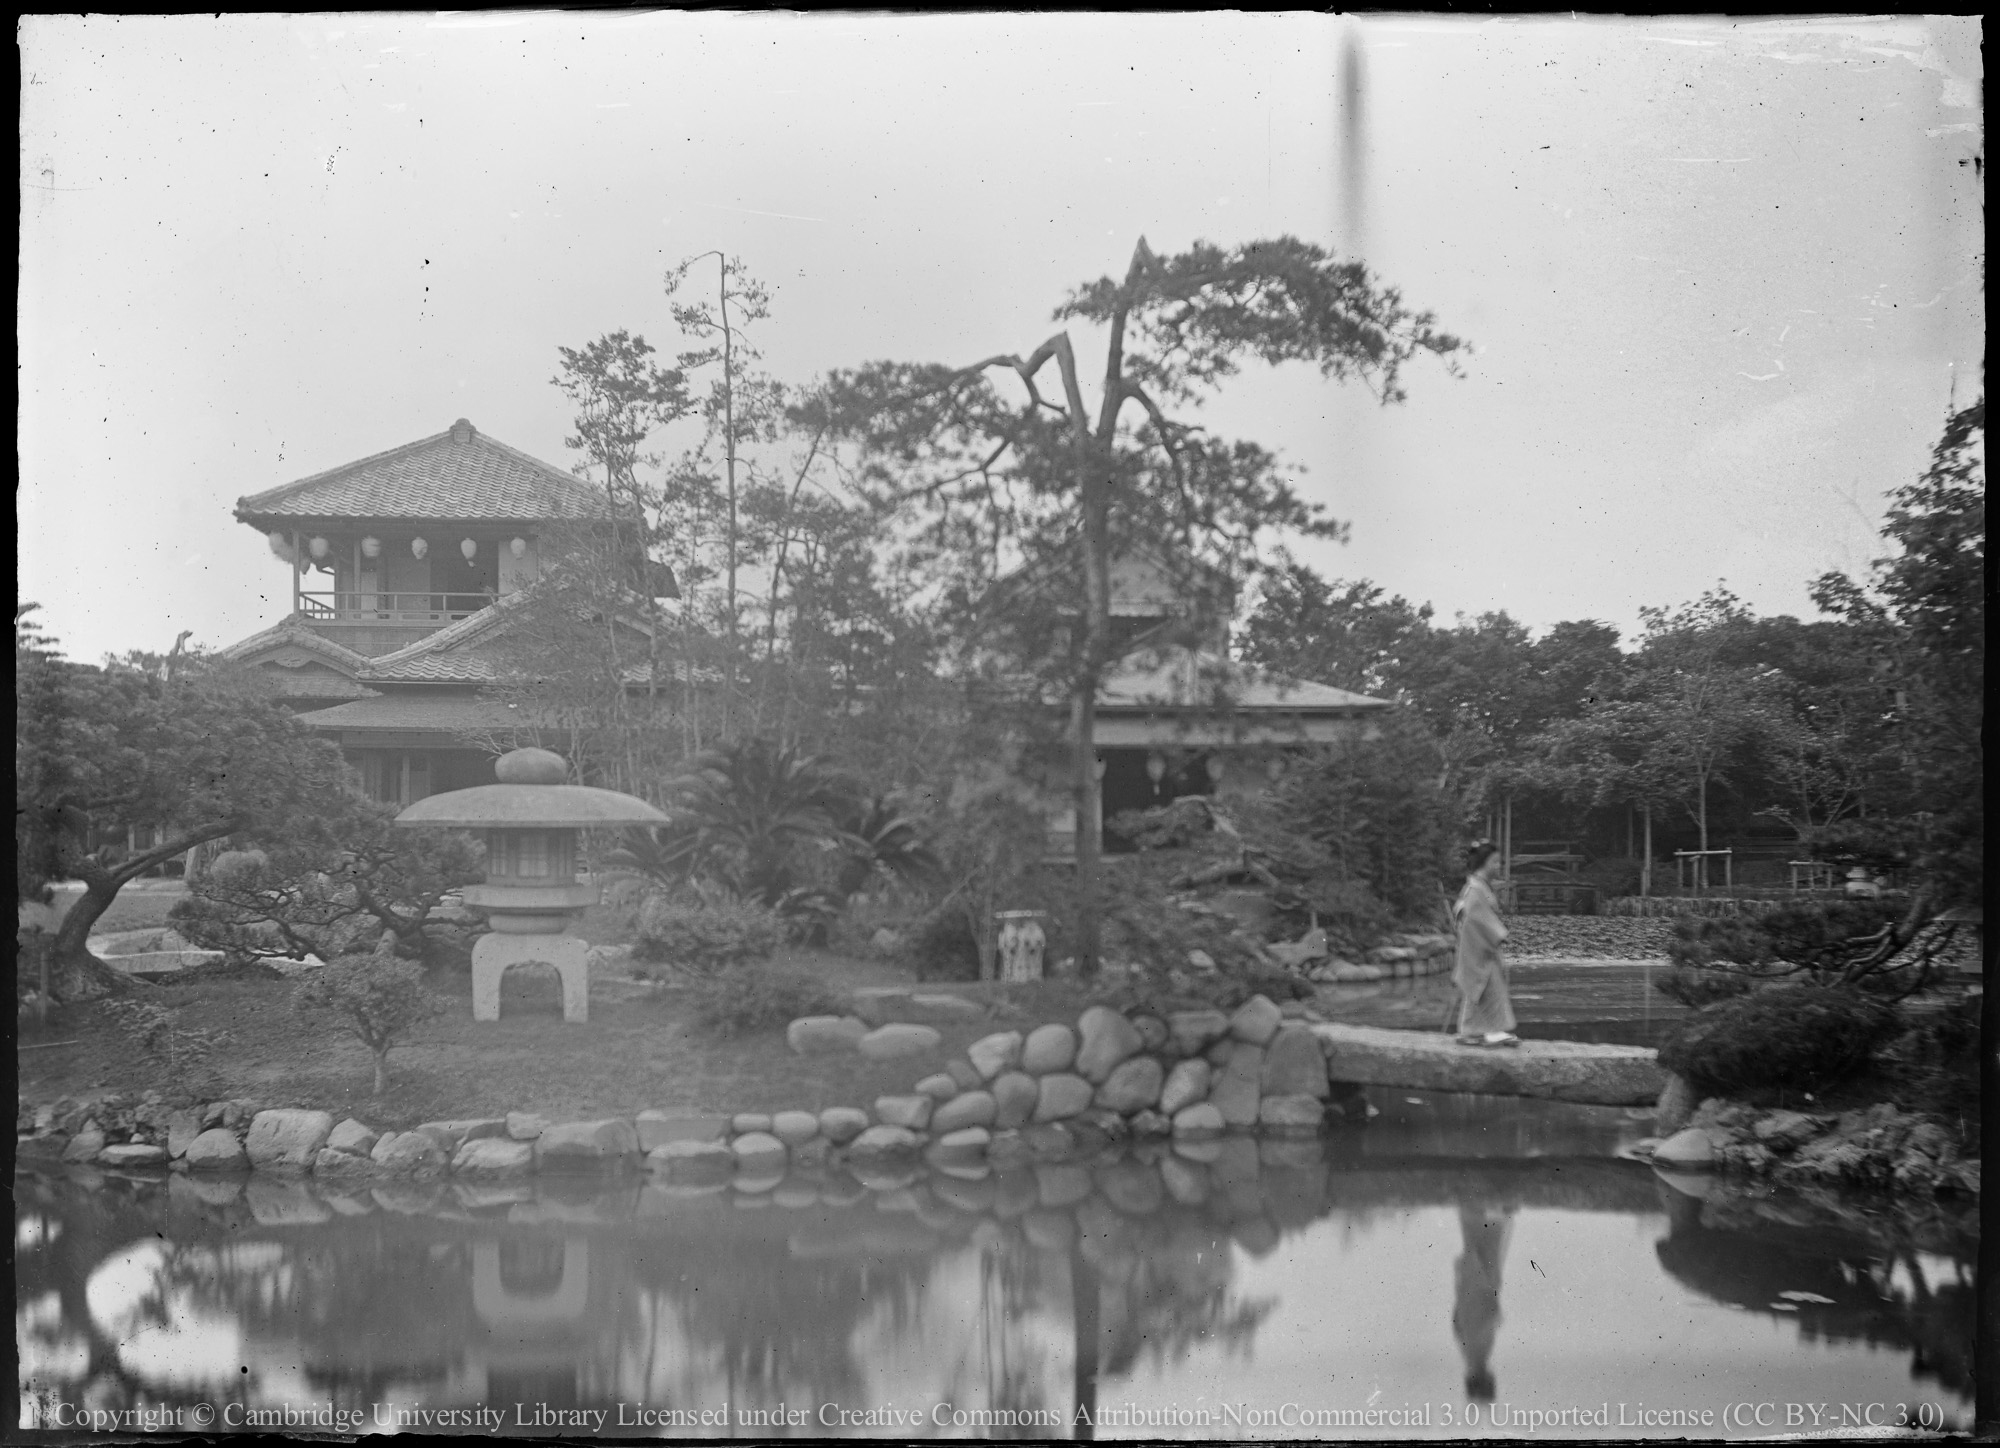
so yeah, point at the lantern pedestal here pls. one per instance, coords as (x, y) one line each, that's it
(493, 953)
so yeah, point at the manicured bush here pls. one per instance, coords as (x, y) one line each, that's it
(705, 934)
(1935, 1063)
(941, 946)
(376, 997)
(1694, 987)
(1700, 943)
(1793, 1037)
(756, 998)
(181, 1052)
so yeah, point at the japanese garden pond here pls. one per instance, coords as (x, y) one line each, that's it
(1237, 1289)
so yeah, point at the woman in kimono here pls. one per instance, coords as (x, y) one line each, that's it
(1475, 1316)
(1485, 1015)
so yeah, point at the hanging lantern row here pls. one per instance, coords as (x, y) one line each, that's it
(371, 547)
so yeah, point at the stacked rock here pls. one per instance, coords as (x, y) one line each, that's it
(1403, 957)
(1042, 1095)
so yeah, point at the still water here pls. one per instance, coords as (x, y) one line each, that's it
(1454, 1255)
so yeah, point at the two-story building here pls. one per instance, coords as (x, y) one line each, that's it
(1176, 715)
(406, 568)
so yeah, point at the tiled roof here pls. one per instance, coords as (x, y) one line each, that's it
(443, 657)
(438, 478)
(1183, 680)
(315, 685)
(426, 709)
(292, 631)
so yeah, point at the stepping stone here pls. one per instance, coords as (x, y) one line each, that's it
(825, 1035)
(892, 1042)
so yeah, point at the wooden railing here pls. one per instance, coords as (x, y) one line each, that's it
(391, 607)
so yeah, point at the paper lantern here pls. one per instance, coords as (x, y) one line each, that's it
(519, 548)
(418, 547)
(1099, 766)
(371, 547)
(318, 546)
(281, 546)
(468, 549)
(1214, 769)
(1156, 767)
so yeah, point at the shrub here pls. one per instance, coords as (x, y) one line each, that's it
(1699, 942)
(941, 946)
(1697, 988)
(1176, 826)
(181, 1052)
(756, 999)
(1152, 993)
(378, 998)
(1794, 1037)
(1936, 1063)
(704, 935)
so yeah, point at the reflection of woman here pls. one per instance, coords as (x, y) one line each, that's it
(1475, 1315)
(1485, 1015)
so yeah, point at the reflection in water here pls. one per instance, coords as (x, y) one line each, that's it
(994, 1306)
(1475, 1317)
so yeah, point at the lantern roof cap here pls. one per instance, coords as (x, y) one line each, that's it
(530, 796)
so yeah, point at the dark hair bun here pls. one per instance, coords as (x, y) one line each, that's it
(1478, 853)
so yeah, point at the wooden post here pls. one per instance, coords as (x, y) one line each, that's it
(1646, 865)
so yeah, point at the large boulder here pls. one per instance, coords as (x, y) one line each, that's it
(1238, 1091)
(1256, 1021)
(973, 1108)
(451, 1135)
(85, 1145)
(1048, 1048)
(216, 1149)
(526, 1125)
(657, 1128)
(1015, 1094)
(1186, 1084)
(910, 1112)
(825, 1035)
(587, 1145)
(356, 1138)
(408, 1153)
(1133, 1085)
(1062, 1096)
(494, 1156)
(990, 1055)
(1294, 1064)
(287, 1138)
(1554, 1070)
(182, 1128)
(841, 1124)
(1105, 1039)
(1294, 1114)
(938, 1086)
(893, 1042)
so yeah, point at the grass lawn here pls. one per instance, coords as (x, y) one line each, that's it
(638, 1050)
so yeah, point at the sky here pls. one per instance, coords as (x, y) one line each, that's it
(1722, 279)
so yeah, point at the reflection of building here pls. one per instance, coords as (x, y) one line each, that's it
(405, 569)
(1175, 714)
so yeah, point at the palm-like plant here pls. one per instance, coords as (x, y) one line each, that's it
(878, 835)
(747, 809)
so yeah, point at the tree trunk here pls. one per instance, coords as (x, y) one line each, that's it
(1646, 864)
(79, 975)
(729, 457)
(381, 1068)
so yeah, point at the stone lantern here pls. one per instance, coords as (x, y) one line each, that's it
(530, 819)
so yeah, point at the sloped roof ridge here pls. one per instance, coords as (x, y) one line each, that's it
(291, 629)
(255, 502)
